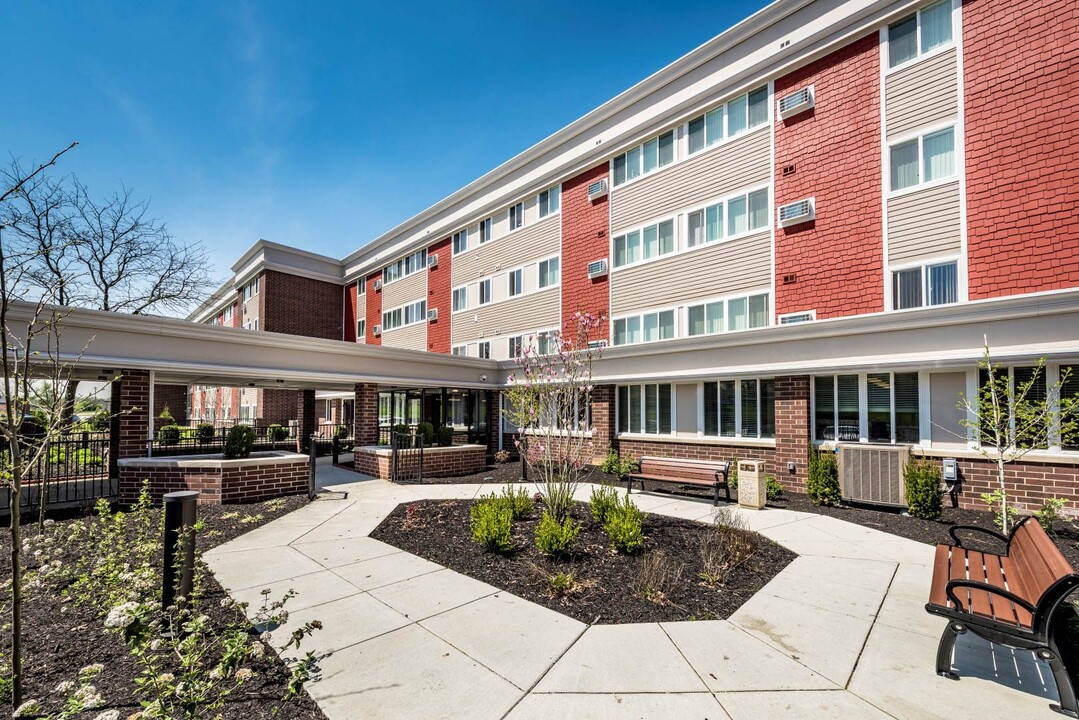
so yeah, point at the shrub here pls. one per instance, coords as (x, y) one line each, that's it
(491, 524)
(994, 501)
(922, 478)
(656, 573)
(773, 488)
(170, 434)
(502, 457)
(604, 499)
(561, 585)
(239, 441)
(613, 464)
(167, 416)
(726, 545)
(427, 431)
(554, 538)
(401, 429)
(822, 486)
(515, 499)
(558, 497)
(276, 432)
(732, 474)
(205, 431)
(624, 526)
(340, 432)
(444, 436)
(100, 421)
(1050, 512)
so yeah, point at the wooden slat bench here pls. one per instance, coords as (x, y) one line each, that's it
(681, 472)
(1008, 599)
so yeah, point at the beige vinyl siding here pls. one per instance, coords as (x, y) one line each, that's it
(406, 290)
(703, 176)
(532, 242)
(925, 93)
(535, 311)
(719, 269)
(409, 337)
(924, 223)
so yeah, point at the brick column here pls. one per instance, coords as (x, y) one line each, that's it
(130, 407)
(494, 418)
(792, 431)
(603, 430)
(305, 419)
(365, 414)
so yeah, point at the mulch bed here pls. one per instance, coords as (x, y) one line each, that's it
(60, 637)
(439, 531)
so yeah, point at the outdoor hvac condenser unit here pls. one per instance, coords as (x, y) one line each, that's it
(873, 473)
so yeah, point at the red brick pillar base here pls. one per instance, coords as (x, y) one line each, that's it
(365, 409)
(792, 431)
(129, 426)
(305, 419)
(603, 430)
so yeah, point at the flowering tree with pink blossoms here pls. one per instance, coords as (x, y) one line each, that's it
(548, 400)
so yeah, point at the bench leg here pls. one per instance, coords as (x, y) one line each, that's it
(715, 495)
(629, 485)
(945, 648)
(1065, 690)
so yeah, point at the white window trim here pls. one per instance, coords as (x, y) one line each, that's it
(920, 135)
(640, 431)
(423, 266)
(767, 292)
(738, 436)
(676, 135)
(548, 191)
(544, 288)
(423, 318)
(920, 56)
(468, 242)
(640, 314)
(924, 405)
(640, 229)
(452, 292)
(923, 263)
(524, 294)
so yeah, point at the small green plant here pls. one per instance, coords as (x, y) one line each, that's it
(239, 441)
(773, 488)
(554, 538)
(624, 525)
(205, 432)
(732, 475)
(604, 500)
(995, 501)
(170, 434)
(613, 464)
(276, 432)
(401, 429)
(491, 525)
(340, 432)
(822, 485)
(1050, 513)
(167, 416)
(922, 478)
(502, 457)
(427, 431)
(444, 436)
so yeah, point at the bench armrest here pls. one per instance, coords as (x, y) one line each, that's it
(975, 585)
(993, 533)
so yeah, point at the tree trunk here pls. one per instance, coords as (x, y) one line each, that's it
(1003, 495)
(16, 575)
(71, 393)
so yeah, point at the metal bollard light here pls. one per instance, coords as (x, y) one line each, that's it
(180, 510)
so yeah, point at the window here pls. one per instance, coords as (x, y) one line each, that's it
(936, 284)
(485, 231)
(459, 350)
(645, 408)
(460, 242)
(742, 313)
(361, 331)
(740, 408)
(739, 115)
(515, 346)
(835, 405)
(1069, 388)
(548, 272)
(363, 285)
(643, 159)
(922, 160)
(485, 291)
(648, 327)
(747, 213)
(517, 216)
(405, 266)
(1029, 388)
(891, 407)
(926, 30)
(549, 201)
(484, 350)
(644, 244)
(460, 299)
(407, 315)
(251, 289)
(516, 281)
(252, 324)
(547, 342)
(705, 225)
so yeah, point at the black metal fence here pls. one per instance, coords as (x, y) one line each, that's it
(207, 438)
(406, 463)
(72, 469)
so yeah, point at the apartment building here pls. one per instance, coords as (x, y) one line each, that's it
(786, 230)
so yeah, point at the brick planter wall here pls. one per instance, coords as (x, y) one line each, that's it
(437, 461)
(219, 481)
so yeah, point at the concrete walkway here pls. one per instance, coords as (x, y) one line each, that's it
(840, 633)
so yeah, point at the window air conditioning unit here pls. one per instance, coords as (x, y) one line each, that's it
(796, 102)
(595, 344)
(377, 331)
(378, 284)
(432, 315)
(797, 212)
(597, 268)
(432, 261)
(798, 317)
(597, 189)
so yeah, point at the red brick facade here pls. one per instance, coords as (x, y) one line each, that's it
(217, 485)
(585, 237)
(131, 408)
(277, 406)
(300, 306)
(792, 431)
(835, 263)
(374, 309)
(1019, 72)
(350, 313)
(437, 462)
(439, 297)
(365, 407)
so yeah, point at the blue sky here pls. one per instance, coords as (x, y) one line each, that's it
(319, 125)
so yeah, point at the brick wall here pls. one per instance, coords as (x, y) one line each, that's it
(350, 313)
(603, 416)
(300, 306)
(585, 231)
(374, 309)
(634, 449)
(437, 462)
(439, 296)
(240, 484)
(366, 414)
(1020, 81)
(792, 431)
(837, 260)
(130, 427)
(277, 406)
